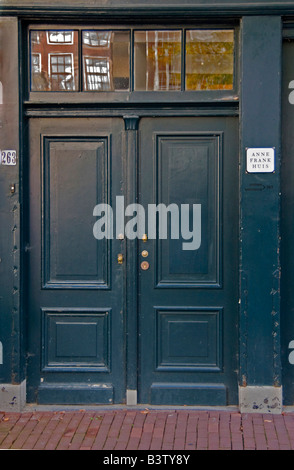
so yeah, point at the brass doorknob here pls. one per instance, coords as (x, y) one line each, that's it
(144, 265)
(145, 238)
(120, 258)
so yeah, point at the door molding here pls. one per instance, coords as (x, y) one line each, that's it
(130, 170)
(185, 110)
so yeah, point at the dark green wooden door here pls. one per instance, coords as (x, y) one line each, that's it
(287, 224)
(82, 324)
(75, 285)
(188, 296)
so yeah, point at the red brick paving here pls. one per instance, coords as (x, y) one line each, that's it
(115, 430)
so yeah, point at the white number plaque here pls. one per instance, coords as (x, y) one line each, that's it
(8, 157)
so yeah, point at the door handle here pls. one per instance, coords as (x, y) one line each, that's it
(145, 238)
(144, 265)
(120, 258)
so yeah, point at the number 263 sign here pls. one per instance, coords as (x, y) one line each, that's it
(7, 157)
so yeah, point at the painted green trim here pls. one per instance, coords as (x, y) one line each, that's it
(10, 317)
(260, 203)
(39, 111)
(128, 9)
(288, 31)
(131, 265)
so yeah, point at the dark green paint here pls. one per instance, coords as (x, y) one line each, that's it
(81, 164)
(76, 311)
(11, 320)
(125, 9)
(260, 262)
(287, 224)
(194, 161)
(130, 187)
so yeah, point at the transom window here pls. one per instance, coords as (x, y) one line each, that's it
(132, 60)
(158, 60)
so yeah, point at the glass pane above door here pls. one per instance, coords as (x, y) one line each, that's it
(106, 60)
(157, 60)
(54, 60)
(132, 60)
(209, 59)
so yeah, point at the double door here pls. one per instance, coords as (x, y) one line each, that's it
(132, 260)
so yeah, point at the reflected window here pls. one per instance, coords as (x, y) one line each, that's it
(209, 59)
(106, 60)
(54, 60)
(60, 37)
(97, 38)
(36, 63)
(97, 74)
(35, 37)
(157, 60)
(62, 72)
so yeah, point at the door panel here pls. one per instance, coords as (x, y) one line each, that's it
(75, 317)
(188, 298)
(287, 224)
(178, 159)
(70, 260)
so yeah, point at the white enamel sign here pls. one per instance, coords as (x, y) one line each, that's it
(7, 157)
(260, 160)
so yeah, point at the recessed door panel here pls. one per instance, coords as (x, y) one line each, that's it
(72, 256)
(188, 185)
(76, 339)
(189, 339)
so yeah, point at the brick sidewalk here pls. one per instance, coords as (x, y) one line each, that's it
(145, 430)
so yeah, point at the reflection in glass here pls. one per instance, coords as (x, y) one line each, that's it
(209, 59)
(64, 37)
(106, 60)
(157, 60)
(54, 60)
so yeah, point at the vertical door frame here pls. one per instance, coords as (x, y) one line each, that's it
(287, 305)
(12, 325)
(260, 127)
